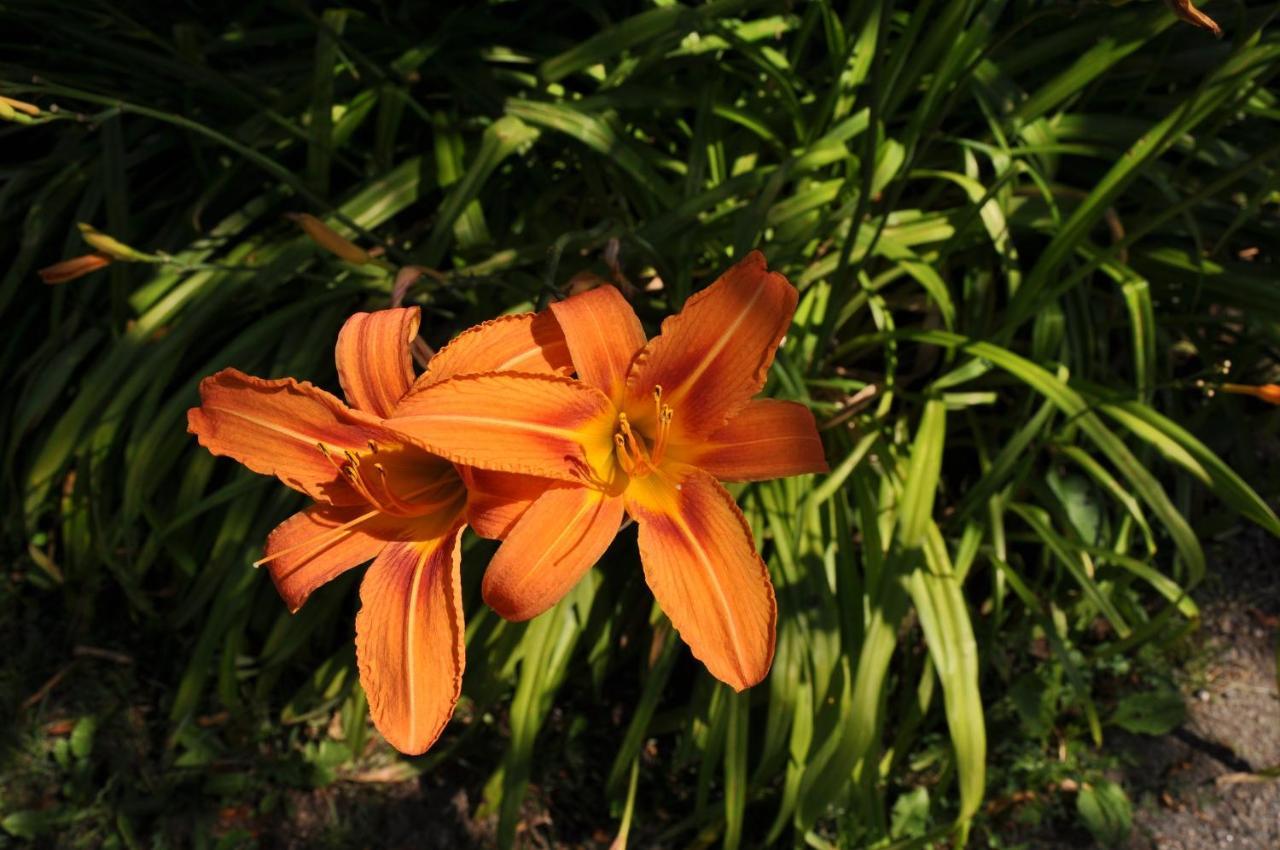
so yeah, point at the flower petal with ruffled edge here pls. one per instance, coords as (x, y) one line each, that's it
(553, 545)
(703, 568)
(604, 336)
(714, 355)
(410, 639)
(275, 427)
(767, 439)
(539, 425)
(375, 364)
(527, 342)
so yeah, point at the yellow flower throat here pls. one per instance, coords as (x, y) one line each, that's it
(630, 448)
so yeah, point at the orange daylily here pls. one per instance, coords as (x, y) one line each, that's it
(646, 429)
(379, 497)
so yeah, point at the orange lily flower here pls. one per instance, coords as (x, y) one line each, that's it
(647, 429)
(379, 497)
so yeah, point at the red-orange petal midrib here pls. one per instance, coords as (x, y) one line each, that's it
(603, 334)
(700, 561)
(410, 640)
(553, 545)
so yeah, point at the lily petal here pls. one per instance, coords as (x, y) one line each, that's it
(315, 546)
(604, 335)
(714, 355)
(275, 427)
(540, 425)
(497, 500)
(767, 439)
(553, 545)
(527, 342)
(703, 568)
(375, 366)
(410, 640)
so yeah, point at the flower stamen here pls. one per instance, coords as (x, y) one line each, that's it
(636, 458)
(321, 541)
(376, 491)
(665, 415)
(625, 460)
(391, 499)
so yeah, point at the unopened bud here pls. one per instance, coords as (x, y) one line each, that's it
(1270, 393)
(73, 268)
(13, 110)
(327, 238)
(1183, 10)
(112, 247)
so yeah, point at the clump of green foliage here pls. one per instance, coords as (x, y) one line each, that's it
(1021, 231)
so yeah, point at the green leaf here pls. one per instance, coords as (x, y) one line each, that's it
(921, 486)
(1156, 712)
(1078, 498)
(1106, 812)
(30, 824)
(910, 818)
(1034, 701)
(82, 735)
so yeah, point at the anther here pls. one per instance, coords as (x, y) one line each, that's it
(324, 450)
